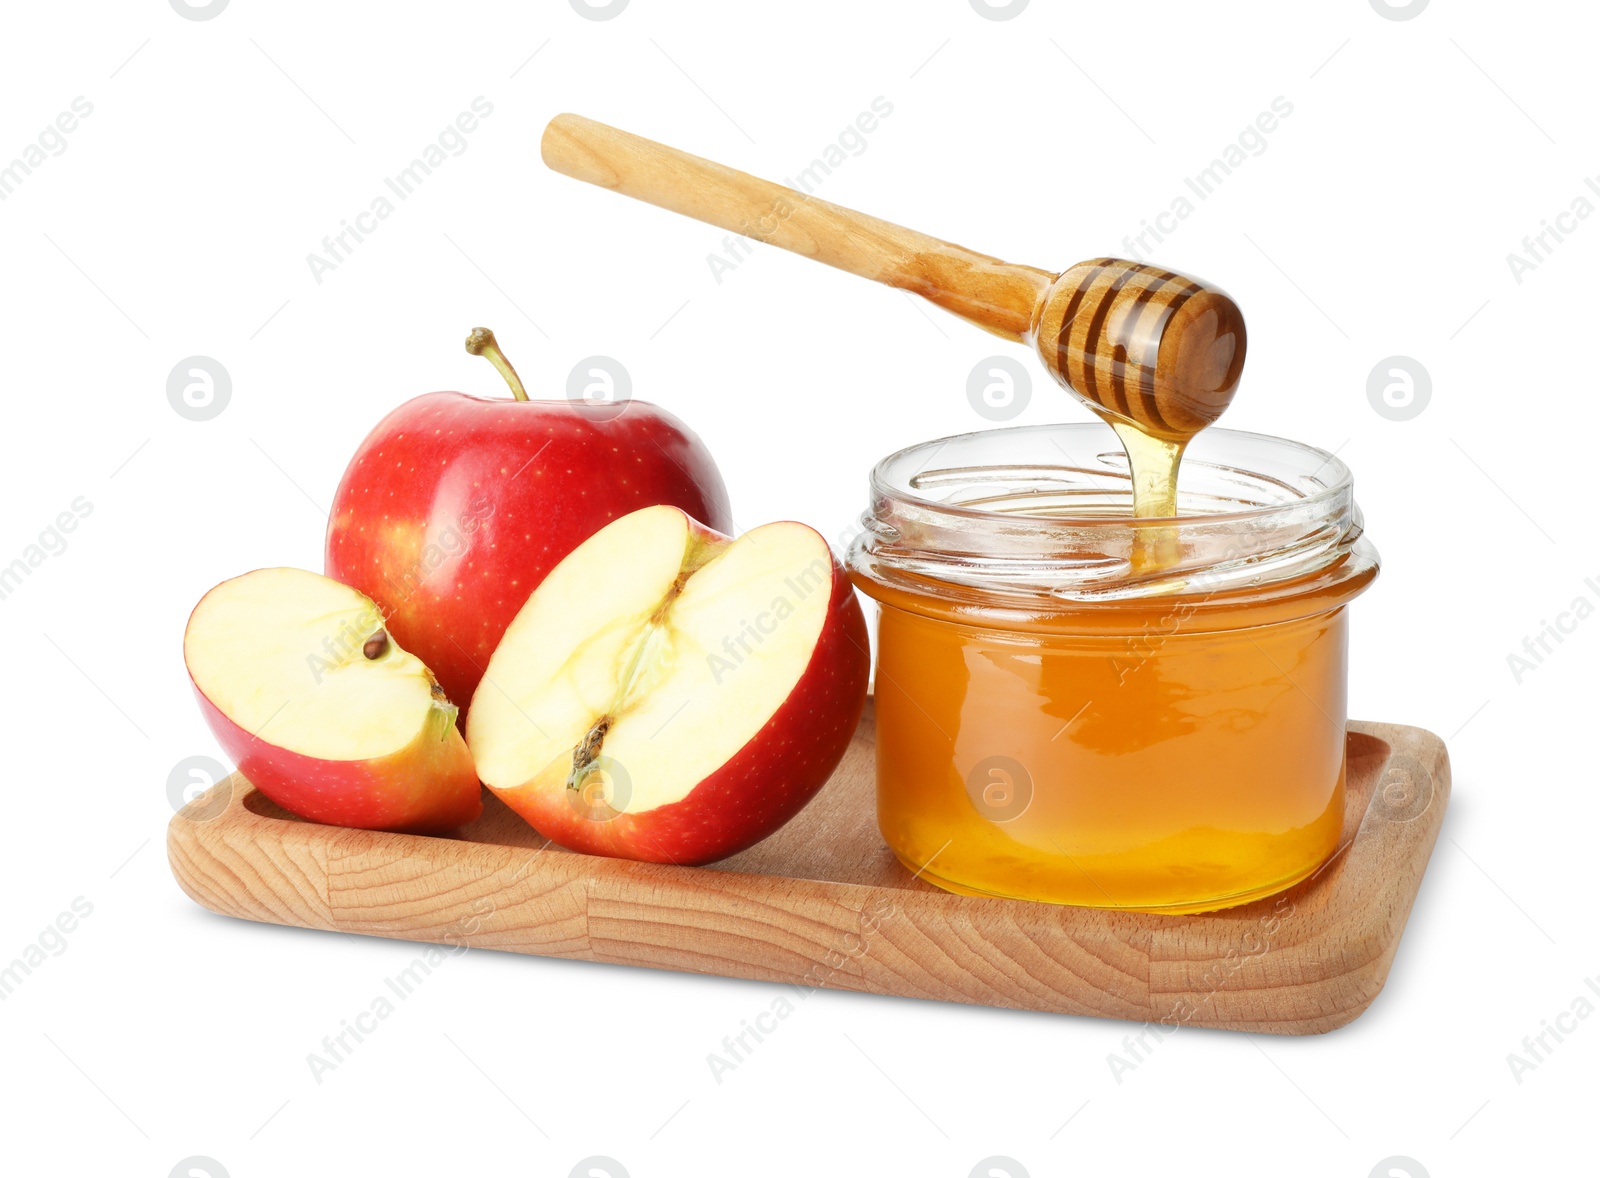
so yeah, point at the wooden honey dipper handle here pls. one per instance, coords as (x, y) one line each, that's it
(996, 296)
(1139, 344)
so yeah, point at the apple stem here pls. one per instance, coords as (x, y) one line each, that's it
(481, 342)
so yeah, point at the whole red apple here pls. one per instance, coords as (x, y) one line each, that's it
(455, 507)
(671, 694)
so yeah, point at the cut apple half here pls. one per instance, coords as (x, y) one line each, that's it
(671, 694)
(322, 711)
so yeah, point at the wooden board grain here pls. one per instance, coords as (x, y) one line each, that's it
(824, 903)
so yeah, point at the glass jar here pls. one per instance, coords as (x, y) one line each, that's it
(1081, 707)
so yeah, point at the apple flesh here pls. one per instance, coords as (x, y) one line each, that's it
(322, 710)
(671, 694)
(455, 507)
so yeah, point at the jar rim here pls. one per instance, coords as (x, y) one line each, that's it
(1341, 480)
(1019, 513)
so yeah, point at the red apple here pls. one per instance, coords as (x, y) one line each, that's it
(455, 507)
(670, 694)
(322, 710)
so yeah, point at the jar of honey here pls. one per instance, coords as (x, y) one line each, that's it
(1079, 706)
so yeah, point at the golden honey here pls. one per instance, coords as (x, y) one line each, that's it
(1058, 720)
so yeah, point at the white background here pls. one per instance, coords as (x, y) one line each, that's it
(220, 152)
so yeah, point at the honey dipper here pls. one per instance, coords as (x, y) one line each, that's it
(1141, 345)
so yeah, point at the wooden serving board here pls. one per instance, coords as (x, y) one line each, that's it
(824, 903)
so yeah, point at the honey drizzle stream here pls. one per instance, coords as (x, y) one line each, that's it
(1153, 467)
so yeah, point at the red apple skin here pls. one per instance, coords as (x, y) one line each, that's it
(428, 787)
(760, 787)
(455, 507)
